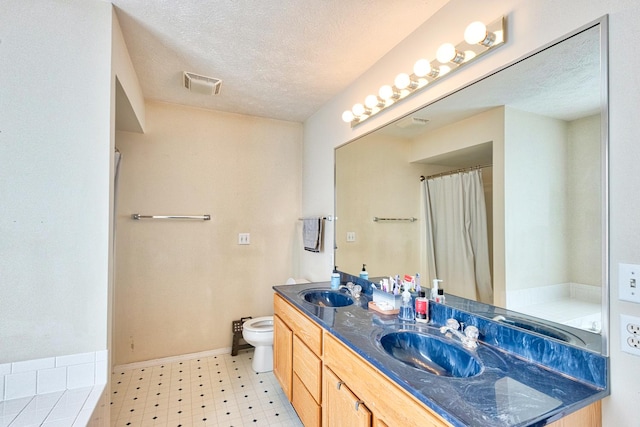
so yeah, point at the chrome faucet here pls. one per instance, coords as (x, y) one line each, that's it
(470, 337)
(353, 290)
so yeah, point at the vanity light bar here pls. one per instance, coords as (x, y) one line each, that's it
(478, 40)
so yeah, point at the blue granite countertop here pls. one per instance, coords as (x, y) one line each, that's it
(513, 389)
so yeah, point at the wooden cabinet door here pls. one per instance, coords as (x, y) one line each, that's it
(283, 355)
(340, 407)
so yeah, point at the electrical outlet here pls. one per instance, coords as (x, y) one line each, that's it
(633, 328)
(244, 238)
(351, 236)
(630, 334)
(629, 282)
(634, 342)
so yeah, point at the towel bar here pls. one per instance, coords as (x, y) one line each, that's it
(326, 218)
(376, 219)
(201, 217)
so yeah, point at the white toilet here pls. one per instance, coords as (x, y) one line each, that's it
(259, 333)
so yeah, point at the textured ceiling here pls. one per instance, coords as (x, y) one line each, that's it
(280, 59)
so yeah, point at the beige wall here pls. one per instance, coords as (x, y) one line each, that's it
(378, 181)
(180, 284)
(585, 210)
(531, 25)
(55, 156)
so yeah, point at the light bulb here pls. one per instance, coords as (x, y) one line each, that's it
(421, 68)
(386, 92)
(475, 33)
(372, 101)
(402, 81)
(446, 53)
(358, 110)
(348, 116)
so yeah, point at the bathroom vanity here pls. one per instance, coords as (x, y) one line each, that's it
(334, 367)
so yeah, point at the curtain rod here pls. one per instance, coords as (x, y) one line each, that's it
(422, 177)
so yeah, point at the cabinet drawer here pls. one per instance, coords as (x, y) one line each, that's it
(306, 407)
(397, 408)
(308, 368)
(301, 325)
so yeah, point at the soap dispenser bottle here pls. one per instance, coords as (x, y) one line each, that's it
(335, 278)
(406, 312)
(434, 289)
(364, 274)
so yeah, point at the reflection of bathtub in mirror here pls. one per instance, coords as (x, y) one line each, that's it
(570, 304)
(569, 332)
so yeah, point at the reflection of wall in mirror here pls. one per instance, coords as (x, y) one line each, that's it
(375, 179)
(552, 215)
(544, 187)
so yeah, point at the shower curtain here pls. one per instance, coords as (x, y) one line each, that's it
(456, 231)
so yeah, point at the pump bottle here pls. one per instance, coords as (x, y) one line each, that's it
(335, 278)
(434, 289)
(364, 274)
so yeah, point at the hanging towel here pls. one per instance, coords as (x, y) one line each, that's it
(312, 234)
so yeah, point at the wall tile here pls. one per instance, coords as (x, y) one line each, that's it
(80, 375)
(20, 385)
(102, 372)
(102, 355)
(5, 368)
(32, 365)
(76, 359)
(50, 380)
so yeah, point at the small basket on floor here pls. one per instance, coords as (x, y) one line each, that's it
(236, 328)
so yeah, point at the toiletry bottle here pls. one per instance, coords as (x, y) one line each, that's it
(440, 298)
(406, 312)
(434, 289)
(422, 308)
(364, 274)
(418, 288)
(335, 278)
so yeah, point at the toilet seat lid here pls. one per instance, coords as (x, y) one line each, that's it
(259, 324)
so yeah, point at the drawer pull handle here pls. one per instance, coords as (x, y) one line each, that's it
(358, 403)
(338, 384)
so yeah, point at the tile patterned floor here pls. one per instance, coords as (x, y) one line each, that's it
(218, 390)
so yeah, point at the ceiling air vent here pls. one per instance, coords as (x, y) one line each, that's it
(410, 122)
(201, 84)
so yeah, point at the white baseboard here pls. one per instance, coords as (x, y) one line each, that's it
(172, 359)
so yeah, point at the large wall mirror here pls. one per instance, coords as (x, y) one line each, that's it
(536, 131)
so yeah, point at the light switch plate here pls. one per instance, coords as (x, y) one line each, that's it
(629, 282)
